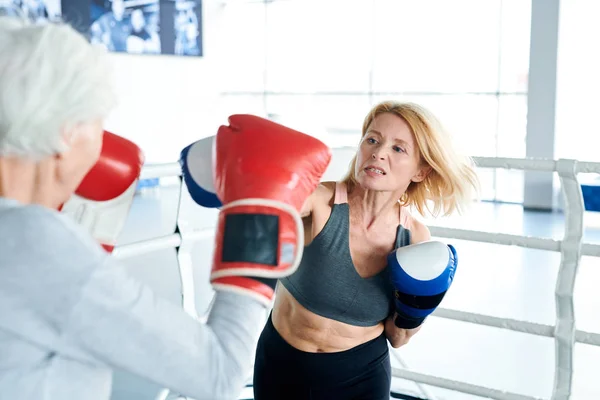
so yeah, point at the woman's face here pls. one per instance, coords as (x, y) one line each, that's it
(388, 158)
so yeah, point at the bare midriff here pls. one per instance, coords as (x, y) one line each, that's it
(309, 332)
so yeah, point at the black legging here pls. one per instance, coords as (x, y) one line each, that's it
(282, 372)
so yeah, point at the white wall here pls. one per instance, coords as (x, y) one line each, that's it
(167, 102)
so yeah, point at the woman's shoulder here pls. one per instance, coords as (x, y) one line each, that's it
(322, 196)
(418, 229)
(325, 192)
(47, 243)
(50, 232)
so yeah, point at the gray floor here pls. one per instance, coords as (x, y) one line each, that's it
(496, 280)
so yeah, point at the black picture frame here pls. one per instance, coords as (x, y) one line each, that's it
(166, 27)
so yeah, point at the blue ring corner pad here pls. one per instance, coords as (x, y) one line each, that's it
(591, 195)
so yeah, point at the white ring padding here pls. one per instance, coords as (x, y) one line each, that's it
(261, 273)
(565, 281)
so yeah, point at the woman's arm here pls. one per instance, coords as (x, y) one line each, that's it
(81, 304)
(398, 337)
(323, 191)
(122, 323)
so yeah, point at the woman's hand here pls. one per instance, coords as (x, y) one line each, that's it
(398, 337)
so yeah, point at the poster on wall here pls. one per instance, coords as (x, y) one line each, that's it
(172, 27)
(35, 10)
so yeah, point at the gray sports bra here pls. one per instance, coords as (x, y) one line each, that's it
(327, 282)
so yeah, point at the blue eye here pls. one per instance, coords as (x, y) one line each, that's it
(371, 141)
(398, 149)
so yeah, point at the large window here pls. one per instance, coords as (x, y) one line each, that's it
(331, 60)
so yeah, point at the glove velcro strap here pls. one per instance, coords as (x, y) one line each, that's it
(419, 306)
(419, 302)
(404, 321)
(258, 238)
(252, 238)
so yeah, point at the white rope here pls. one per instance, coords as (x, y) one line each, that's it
(496, 322)
(587, 338)
(587, 167)
(571, 248)
(459, 386)
(423, 389)
(530, 164)
(160, 243)
(590, 249)
(496, 238)
(533, 164)
(530, 242)
(531, 328)
(161, 171)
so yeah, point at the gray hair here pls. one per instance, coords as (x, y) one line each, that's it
(51, 77)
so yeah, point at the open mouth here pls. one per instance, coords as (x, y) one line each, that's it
(375, 170)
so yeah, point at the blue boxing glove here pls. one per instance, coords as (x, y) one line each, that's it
(197, 169)
(421, 274)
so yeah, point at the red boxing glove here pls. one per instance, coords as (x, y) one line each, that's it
(264, 173)
(102, 201)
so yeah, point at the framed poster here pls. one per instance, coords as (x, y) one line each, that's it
(35, 10)
(126, 26)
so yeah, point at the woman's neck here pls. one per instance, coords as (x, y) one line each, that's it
(17, 179)
(26, 181)
(373, 206)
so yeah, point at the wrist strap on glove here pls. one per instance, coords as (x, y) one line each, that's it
(254, 238)
(404, 321)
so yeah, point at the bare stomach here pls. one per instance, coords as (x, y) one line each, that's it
(312, 333)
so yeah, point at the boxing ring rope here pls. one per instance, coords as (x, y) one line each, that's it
(571, 248)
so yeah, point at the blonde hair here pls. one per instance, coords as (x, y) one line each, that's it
(452, 182)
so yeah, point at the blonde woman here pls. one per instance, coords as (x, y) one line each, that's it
(327, 335)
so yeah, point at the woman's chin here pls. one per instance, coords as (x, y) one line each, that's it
(370, 183)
